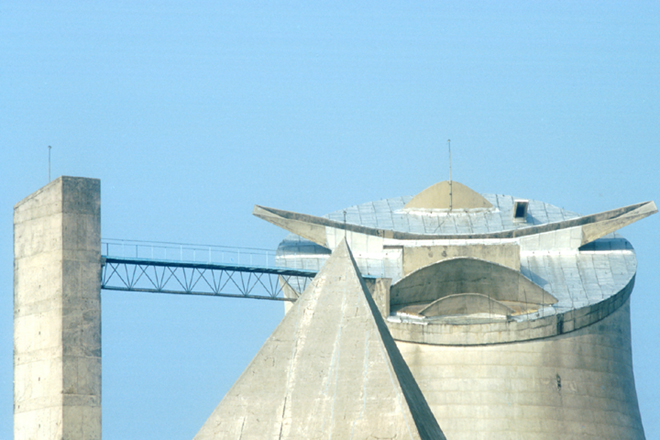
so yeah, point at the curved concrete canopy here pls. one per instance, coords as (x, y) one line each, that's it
(594, 226)
(469, 275)
(437, 196)
(465, 304)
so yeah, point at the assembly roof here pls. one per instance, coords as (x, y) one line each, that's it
(575, 277)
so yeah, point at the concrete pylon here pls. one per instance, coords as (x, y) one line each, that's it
(448, 195)
(57, 312)
(329, 370)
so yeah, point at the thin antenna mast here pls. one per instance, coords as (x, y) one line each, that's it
(451, 198)
(345, 226)
(49, 147)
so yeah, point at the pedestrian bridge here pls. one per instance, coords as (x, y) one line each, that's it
(191, 269)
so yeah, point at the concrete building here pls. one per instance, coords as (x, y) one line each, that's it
(511, 321)
(57, 312)
(329, 370)
(513, 315)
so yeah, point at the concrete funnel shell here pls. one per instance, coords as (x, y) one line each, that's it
(470, 275)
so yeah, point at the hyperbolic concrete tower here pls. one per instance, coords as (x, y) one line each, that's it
(513, 315)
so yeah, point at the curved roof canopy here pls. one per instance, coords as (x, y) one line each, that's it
(460, 276)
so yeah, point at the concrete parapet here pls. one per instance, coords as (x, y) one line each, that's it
(57, 312)
(438, 333)
(416, 257)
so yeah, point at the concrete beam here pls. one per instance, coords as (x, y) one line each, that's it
(505, 254)
(594, 231)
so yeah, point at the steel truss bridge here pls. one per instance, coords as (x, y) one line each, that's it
(140, 266)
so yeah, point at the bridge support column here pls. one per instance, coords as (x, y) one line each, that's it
(57, 312)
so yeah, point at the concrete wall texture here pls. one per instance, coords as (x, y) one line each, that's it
(578, 385)
(330, 370)
(57, 312)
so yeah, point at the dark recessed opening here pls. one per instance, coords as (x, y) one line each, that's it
(520, 209)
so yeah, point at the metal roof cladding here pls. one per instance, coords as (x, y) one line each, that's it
(577, 277)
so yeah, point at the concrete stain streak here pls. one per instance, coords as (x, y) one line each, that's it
(303, 323)
(365, 378)
(334, 367)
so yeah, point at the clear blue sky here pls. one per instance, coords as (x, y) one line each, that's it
(191, 112)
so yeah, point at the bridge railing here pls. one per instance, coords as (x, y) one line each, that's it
(190, 253)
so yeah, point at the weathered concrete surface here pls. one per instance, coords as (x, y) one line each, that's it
(593, 231)
(297, 224)
(441, 333)
(57, 312)
(559, 367)
(493, 228)
(466, 304)
(578, 385)
(330, 370)
(505, 254)
(437, 196)
(469, 275)
(381, 295)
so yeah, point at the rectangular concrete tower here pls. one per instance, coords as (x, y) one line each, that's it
(57, 312)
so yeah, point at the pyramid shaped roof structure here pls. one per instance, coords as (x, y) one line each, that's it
(329, 370)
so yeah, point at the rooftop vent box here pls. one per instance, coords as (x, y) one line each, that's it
(520, 210)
